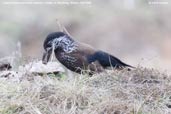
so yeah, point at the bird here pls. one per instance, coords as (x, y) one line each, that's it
(79, 57)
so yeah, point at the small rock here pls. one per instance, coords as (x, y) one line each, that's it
(40, 69)
(5, 66)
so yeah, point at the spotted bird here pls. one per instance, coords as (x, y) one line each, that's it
(78, 57)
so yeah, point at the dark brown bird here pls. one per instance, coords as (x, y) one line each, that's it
(78, 57)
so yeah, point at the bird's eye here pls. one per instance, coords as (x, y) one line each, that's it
(49, 43)
(48, 48)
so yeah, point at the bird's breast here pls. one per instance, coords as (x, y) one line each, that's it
(66, 59)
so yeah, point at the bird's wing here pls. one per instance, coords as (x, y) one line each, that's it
(82, 55)
(90, 55)
(82, 52)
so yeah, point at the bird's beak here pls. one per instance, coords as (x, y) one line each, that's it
(46, 56)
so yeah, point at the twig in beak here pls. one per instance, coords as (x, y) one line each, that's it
(53, 48)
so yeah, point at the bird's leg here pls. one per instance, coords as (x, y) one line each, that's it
(96, 67)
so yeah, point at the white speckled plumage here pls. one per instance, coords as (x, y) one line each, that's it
(68, 45)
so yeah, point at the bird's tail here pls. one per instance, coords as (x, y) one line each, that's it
(107, 60)
(115, 62)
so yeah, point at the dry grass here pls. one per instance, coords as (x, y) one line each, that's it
(140, 91)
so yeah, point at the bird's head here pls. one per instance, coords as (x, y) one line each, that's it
(56, 41)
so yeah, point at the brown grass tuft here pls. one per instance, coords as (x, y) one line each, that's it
(140, 91)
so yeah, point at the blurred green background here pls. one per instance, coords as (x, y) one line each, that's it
(136, 31)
